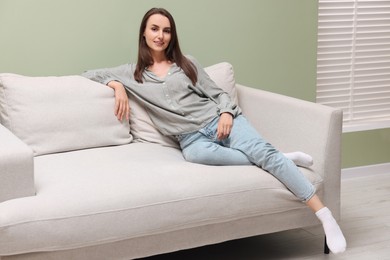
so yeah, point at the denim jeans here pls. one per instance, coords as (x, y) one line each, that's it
(244, 146)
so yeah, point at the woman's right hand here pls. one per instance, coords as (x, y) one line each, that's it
(122, 108)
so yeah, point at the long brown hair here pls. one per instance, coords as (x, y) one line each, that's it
(172, 52)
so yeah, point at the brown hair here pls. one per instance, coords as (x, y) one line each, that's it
(172, 52)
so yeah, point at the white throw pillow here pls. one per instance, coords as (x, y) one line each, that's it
(58, 114)
(223, 75)
(142, 127)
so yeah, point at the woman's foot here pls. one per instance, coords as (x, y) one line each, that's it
(334, 236)
(300, 158)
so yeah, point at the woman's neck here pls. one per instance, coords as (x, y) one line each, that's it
(160, 66)
(159, 57)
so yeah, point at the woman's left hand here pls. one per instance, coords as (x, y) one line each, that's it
(225, 125)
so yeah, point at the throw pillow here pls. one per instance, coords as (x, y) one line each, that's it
(58, 114)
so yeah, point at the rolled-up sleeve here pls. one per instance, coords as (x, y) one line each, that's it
(122, 73)
(218, 95)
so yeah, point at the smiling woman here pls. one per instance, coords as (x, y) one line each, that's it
(183, 102)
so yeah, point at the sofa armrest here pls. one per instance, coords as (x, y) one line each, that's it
(16, 167)
(292, 124)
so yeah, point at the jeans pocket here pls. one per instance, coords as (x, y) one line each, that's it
(209, 133)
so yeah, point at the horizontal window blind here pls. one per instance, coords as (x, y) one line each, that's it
(353, 61)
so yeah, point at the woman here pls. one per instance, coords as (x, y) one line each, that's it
(184, 102)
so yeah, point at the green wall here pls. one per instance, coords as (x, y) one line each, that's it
(366, 148)
(271, 44)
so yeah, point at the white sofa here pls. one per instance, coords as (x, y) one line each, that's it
(75, 184)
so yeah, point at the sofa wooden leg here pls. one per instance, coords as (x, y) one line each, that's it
(326, 248)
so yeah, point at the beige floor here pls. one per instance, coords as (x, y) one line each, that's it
(365, 223)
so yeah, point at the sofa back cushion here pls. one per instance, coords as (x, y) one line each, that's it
(58, 114)
(142, 127)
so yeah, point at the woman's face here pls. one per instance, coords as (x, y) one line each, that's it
(157, 33)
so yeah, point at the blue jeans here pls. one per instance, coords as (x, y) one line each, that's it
(244, 146)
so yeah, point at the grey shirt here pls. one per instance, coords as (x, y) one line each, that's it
(173, 103)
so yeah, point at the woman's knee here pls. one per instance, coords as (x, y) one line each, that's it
(197, 153)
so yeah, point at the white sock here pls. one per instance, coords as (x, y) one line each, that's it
(334, 236)
(300, 158)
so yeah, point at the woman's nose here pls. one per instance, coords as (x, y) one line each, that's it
(160, 34)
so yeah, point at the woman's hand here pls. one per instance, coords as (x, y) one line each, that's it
(225, 125)
(122, 108)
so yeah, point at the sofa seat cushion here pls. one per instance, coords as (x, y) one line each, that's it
(95, 196)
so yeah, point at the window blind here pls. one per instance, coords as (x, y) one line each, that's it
(353, 61)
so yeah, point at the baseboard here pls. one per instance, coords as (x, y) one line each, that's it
(364, 171)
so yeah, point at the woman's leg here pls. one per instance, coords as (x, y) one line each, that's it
(334, 236)
(246, 146)
(202, 147)
(246, 139)
(212, 153)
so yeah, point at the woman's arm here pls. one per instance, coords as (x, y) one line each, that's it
(115, 78)
(122, 108)
(211, 90)
(227, 109)
(122, 73)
